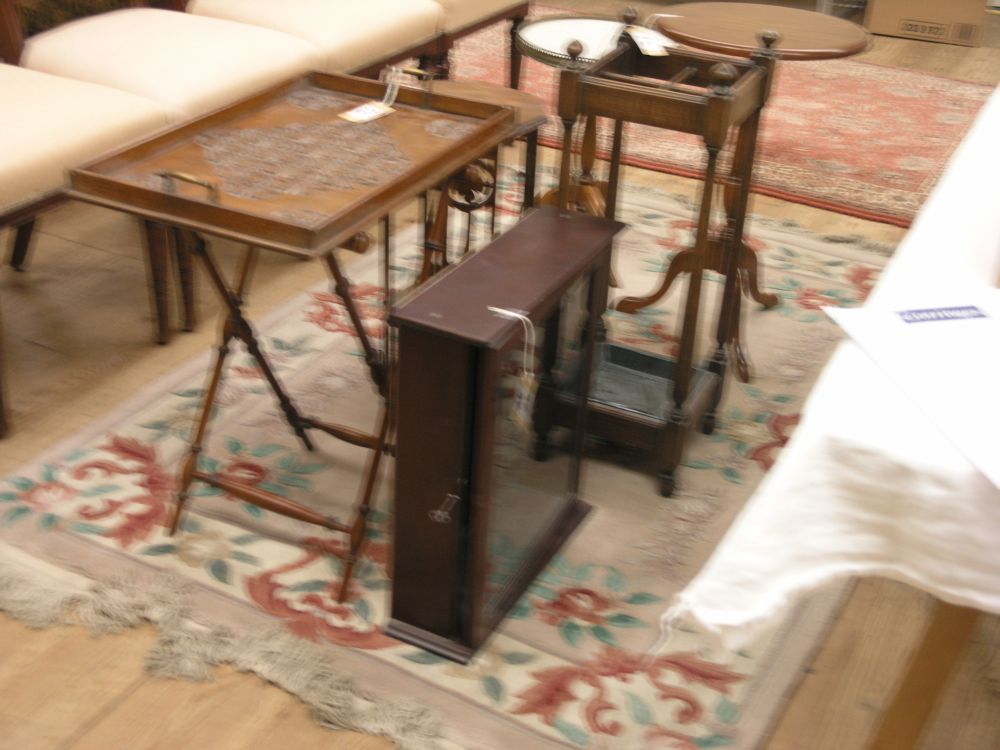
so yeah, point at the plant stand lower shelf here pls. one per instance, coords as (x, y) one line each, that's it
(631, 402)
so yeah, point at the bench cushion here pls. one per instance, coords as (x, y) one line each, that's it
(350, 34)
(461, 13)
(189, 64)
(58, 123)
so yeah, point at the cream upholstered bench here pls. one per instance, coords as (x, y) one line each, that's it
(171, 66)
(186, 64)
(190, 63)
(363, 37)
(348, 36)
(38, 147)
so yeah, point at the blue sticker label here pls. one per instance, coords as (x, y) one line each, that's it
(941, 313)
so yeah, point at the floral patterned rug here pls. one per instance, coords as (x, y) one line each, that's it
(856, 138)
(568, 667)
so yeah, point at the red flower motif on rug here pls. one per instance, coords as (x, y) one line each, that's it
(316, 615)
(328, 312)
(554, 692)
(580, 603)
(781, 427)
(136, 517)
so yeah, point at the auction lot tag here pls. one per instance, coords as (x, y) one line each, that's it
(651, 43)
(367, 112)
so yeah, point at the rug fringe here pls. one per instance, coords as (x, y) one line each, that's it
(188, 650)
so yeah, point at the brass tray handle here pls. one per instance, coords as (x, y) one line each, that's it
(169, 186)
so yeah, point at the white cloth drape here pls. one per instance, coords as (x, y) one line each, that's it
(868, 485)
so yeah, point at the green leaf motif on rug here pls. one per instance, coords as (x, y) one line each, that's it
(363, 609)
(268, 449)
(219, 570)
(604, 635)
(314, 585)
(48, 520)
(642, 597)
(622, 620)
(101, 489)
(423, 657)
(714, 740)
(571, 632)
(8, 497)
(638, 709)
(253, 510)
(493, 688)
(22, 483)
(159, 549)
(88, 528)
(572, 732)
(14, 515)
(727, 711)
(517, 657)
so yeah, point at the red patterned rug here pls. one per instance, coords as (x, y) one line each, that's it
(856, 138)
(567, 669)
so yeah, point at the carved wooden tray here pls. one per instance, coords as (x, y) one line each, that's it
(283, 170)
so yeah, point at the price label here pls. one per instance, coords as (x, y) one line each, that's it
(367, 112)
(650, 43)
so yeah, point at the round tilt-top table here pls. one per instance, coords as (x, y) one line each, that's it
(732, 28)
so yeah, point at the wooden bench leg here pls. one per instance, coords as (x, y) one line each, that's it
(3, 399)
(904, 719)
(158, 242)
(22, 243)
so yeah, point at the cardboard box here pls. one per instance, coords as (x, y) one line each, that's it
(950, 21)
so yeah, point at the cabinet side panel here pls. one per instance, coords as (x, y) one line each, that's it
(431, 463)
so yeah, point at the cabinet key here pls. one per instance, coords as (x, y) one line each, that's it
(443, 514)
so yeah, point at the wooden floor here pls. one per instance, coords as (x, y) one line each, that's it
(78, 342)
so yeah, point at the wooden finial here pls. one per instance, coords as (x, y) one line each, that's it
(768, 38)
(359, 243)
(723, 75)
(630, 15)
(574, 49)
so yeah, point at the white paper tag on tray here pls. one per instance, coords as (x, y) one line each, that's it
(650, 43)
(367, 112)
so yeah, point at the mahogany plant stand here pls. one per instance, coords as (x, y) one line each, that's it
(651, 401)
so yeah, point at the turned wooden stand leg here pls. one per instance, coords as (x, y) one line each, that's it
(241, 329)
(677, 420)
(190, 464)
(359, 527)
(342, 288)
(435, 239)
